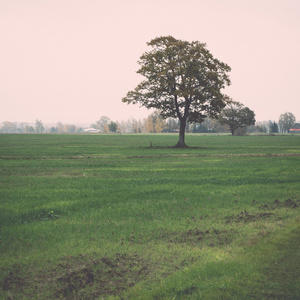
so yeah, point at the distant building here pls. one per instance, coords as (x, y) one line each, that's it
(91, 130)
(295, 128)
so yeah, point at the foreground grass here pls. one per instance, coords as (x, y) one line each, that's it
(266, 270)
(93, 216)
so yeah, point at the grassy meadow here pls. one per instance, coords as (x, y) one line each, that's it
(108, 216)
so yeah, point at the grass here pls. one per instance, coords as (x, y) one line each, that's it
(108, 216)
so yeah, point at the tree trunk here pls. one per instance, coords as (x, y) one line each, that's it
(181, 142)
(232, 129)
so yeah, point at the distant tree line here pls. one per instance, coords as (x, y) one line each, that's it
(285, 123)
(155, 123)
(37, 127)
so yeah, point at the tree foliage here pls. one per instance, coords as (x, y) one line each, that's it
(9, 127)
(102, 124)
(286, 121)
(39, 127)
(155, 123)
(113, 126)
(182, 80)
(236, 115)
(273, 127)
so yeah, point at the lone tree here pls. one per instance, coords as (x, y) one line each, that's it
(183, 80)
(236, 115)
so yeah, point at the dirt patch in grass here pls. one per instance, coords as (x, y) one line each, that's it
(106, 276)
(289, 203)
(245, 216)
(82, 276)
(199, 237)
(14, 279)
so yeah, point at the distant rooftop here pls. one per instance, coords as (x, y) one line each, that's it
(91, 130)
(295, 128)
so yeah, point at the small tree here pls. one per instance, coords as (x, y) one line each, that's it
(39, 127)
(286, 121)
(113, 126)
(236, 115)
(29, 129)
(183, 80)
(150, 125)
(273, 126)
(155, 122)
(102, 124)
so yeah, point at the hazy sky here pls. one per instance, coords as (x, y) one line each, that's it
(74, 60)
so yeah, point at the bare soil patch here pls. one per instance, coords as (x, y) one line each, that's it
(198, 237)
(289, 203)
(245, 216)
(14, 279)
(84, 276)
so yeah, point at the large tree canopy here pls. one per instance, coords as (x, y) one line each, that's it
(236, 115)
(183, 80)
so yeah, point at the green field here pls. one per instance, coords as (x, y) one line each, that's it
(108, 216)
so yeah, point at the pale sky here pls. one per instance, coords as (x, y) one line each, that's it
(73, 60)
